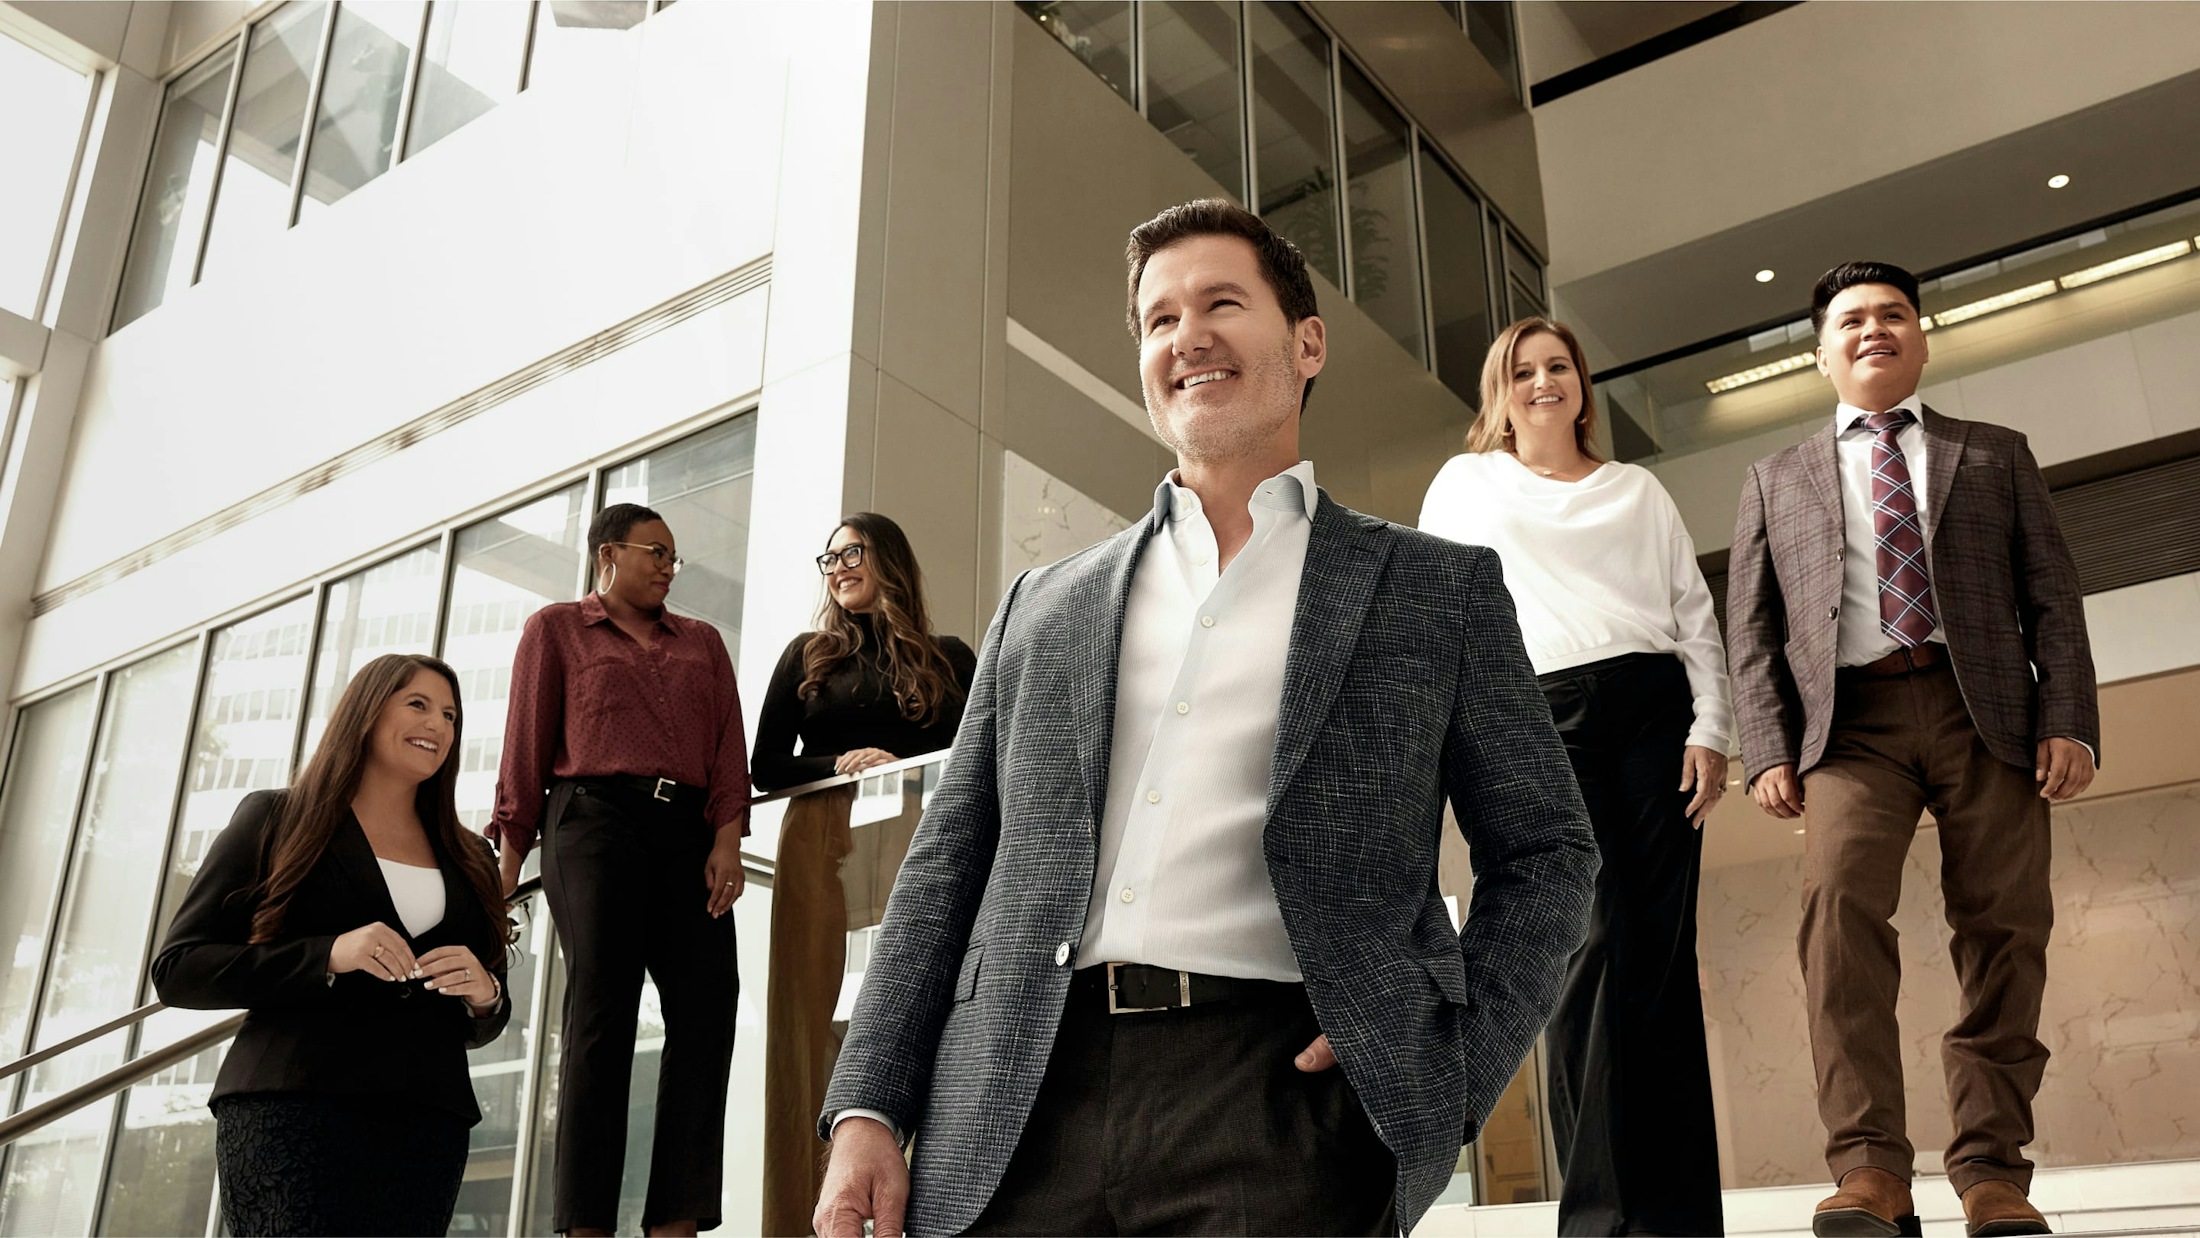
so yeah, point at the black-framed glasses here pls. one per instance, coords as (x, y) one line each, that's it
(849, 556)
(659, 555)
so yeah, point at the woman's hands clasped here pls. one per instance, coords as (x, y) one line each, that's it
(380, 951)
(1703, 771)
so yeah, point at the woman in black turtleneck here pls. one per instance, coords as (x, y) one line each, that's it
(873, 684)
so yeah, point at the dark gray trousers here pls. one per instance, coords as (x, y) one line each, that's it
(624, 875)
(1192, 1121)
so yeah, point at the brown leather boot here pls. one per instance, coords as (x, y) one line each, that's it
(1995, 1208)
(1869, 1203)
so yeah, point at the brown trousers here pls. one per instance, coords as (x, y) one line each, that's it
(1901, 747)
(809, 952)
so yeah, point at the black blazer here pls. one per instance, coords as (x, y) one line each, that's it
(357, 1036)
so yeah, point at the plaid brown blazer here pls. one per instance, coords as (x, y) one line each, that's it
(2003, 583)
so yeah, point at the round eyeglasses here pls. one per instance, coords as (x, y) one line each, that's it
(659, 555)
(849, 556)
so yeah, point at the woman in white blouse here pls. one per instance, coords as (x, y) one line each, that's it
(1619, 625)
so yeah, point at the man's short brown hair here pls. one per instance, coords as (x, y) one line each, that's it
(1281, 263)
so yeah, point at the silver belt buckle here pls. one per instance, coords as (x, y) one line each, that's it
(658, 792)
(1183, 989)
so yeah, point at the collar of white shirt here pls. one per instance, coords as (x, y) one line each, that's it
(1291, 490)
(1846, 416)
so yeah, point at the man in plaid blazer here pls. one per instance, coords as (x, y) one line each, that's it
(1905, 633)
(1167, 953)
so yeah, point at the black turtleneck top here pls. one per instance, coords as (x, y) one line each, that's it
(854, 708)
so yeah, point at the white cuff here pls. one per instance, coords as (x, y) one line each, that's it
(872, 1114)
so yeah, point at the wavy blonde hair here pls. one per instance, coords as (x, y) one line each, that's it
(1492, 429)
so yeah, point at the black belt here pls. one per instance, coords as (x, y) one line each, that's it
(660, 790)
(1135, 988)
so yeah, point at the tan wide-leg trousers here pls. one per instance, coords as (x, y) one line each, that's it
(1900, 747)
(809, 952)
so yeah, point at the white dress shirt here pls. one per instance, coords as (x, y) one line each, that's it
(1182, 880)
(1858, 638)
(1597, 568)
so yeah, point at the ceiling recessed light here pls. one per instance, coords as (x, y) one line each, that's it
(2057, 181)
(1765, 276)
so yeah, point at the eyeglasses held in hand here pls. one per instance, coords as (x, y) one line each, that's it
(849, 556)
(659, 555)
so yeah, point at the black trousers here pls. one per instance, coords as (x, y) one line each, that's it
(624, 876)
(1192, 1121)
(298, 1164)
(1630, 1079)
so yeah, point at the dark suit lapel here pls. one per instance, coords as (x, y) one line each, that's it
(1943, 448)
(353, 858)
(1345, 554)
(1105, 590)
(1824, 470)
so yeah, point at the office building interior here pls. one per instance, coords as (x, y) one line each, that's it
(326, 326)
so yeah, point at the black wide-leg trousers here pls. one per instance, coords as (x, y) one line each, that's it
(1629, 1074)
(624, 876)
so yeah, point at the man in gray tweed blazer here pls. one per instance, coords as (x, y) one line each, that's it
(1906, 632)
(1167, 954)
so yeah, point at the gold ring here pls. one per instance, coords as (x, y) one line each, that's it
(378, 952)
(729, 883)
(469, 975)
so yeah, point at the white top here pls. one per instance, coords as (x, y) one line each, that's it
(1597, 568)
(416, 892)
(1858, 638)
(1182, 880)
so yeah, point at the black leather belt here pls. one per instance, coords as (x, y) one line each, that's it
(660, 790)
(1136, 988)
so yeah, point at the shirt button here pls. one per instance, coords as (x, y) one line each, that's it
(1183, 707)
(1153, 797)
(1833, 612)
(1206, 621)
(1199, 560)
(1128, 896)
(1061, 955)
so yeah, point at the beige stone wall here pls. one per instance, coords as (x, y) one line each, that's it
(2122, 1013)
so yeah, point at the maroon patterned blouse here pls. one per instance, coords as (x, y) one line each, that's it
(588, 700)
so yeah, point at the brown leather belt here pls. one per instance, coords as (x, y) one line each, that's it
(1901, 662)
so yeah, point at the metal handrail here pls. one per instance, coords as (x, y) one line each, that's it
(146, 1065)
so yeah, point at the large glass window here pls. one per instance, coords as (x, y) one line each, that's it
(1386, 242)
(355, 123)
(43, 103)
(99, 947)
(388, 608)
(1524, 276)
(253, 198)
(53, 741)
(1194, 91)
(701, 486)
(1458, 279)
(172, 211)
(163, 1180)
(504, 569)
(1489, 25)
(500, 1073)
(1292, 127)
(1097, 32)
(470, 63)
(579, 38)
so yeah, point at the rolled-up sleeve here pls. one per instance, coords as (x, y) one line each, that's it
(533, 721)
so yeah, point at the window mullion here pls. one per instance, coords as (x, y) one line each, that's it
(221, 149)
(313, 108)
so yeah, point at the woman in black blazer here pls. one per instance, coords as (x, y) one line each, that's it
(363, 929)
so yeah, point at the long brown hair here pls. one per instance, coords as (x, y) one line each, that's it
(322, 794)
(1492, 429)
(923, 680)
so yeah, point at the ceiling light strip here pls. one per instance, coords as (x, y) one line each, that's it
(1964, 313)
(2128, 263)
(1758, 373)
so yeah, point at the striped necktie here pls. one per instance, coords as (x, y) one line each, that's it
(1905, 590)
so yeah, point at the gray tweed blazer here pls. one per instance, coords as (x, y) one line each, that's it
(2003, 582)
(1406, 682)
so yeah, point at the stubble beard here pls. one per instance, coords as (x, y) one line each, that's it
(1270, 398)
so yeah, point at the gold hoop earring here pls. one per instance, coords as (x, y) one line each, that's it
(603, 586)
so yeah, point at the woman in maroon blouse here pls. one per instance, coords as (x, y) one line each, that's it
(624, 752)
